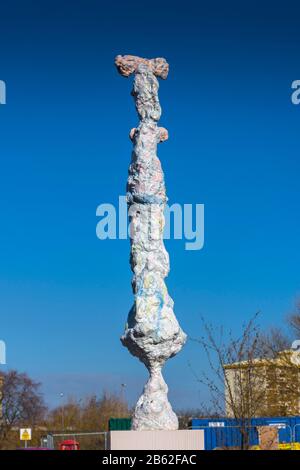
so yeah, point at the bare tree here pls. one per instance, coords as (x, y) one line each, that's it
(89, 415)
(234, 380)
(272, 342)
(186, 415)
(21, 404)
(280, 339)
(256, 374)
(294, 320)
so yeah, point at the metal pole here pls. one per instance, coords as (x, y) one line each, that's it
(123, 393)
(62, 413)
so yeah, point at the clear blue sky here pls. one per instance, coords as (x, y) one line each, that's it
(234, 146)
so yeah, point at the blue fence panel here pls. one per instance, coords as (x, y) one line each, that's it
(227, 432)
(224, 432)
(297, 429)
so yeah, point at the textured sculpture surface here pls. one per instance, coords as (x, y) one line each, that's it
(152, 331)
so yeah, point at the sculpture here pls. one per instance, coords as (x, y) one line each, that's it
(152, 331)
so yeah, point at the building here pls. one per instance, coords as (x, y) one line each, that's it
(263, 387)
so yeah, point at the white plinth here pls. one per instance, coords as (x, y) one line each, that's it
(157, 440)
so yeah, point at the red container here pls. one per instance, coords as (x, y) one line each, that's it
(69, 444)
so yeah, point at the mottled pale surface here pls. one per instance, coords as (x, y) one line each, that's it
(152, 332)
(128, 64)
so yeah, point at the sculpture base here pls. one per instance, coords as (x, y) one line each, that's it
(153, 410)
(156, 440)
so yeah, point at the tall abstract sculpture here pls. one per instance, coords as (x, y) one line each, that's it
(152, 331)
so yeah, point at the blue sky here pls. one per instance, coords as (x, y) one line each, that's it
(233, 146)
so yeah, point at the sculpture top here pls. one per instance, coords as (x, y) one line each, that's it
(128, 64)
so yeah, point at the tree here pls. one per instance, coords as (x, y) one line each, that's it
(273, 342)
(21, 404)
(186, 415)
(280, 339)
(294, 320)
(256, 374)
(87, 416)
(234, 381)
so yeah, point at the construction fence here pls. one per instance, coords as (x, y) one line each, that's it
(282, 433)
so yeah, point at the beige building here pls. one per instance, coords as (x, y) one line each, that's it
(264, 387)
